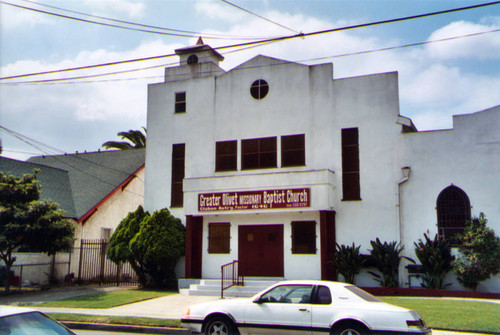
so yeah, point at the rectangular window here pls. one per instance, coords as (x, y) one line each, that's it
(303, 237)
(178, 157)
(350, 164)
(226, 156)
(180, 102)
(293, 152)
(219, 235)
(258, 153)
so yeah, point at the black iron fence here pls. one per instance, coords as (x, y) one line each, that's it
(95, 268)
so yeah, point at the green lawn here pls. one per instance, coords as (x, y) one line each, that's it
(116, 320)
(467, 315)
(108, 299)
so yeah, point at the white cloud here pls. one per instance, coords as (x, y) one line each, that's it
(485, 46)
(133, 9)
(219, 11)
(13, 17)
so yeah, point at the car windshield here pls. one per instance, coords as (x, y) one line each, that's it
(362, 294)
(32, 323)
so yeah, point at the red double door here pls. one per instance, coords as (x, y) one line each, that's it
(260, 250)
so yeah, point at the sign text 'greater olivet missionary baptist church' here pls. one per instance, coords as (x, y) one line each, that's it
(247, 200)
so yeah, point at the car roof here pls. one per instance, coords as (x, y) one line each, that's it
(13, 310)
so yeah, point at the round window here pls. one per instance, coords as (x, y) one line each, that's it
(259, 89)
(192, 59)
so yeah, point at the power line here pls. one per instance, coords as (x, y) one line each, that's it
(194, 33)
(54, 81)
(259, 16)
(277, 39)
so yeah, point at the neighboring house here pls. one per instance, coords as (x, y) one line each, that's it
(96, 189)
(273, 162)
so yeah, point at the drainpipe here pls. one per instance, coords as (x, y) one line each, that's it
(406, 176)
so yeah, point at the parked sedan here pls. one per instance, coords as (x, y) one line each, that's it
(304, 307)
(23, 321)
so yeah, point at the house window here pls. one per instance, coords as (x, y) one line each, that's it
(105, 233)
(453, 211)
(259, 89)
(178, 157)
(258, 153)
(226, 156)
(293, 152)
(219, 237)
(350, 164)
(303, 237)
(180, 102)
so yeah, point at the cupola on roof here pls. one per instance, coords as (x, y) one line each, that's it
(199, 53)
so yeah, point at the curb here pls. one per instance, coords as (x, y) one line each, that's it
(126, 328)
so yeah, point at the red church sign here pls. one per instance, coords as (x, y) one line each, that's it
(247, 200)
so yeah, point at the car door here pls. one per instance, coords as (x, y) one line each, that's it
(285, 309)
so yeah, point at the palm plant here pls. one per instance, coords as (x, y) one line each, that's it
(385, 257)
(136, 138)
(349, 261)
(436, 259)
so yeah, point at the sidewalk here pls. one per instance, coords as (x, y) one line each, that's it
(169, 307)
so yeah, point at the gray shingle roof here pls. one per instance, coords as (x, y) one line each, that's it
(55, 184)
(94, 175)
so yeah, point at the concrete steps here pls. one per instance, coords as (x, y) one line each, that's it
(211, 287)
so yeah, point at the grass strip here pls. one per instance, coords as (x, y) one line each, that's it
(107, 299)
(455, 314)
(116, 320)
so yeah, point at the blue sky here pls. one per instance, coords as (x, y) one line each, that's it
(437, 80)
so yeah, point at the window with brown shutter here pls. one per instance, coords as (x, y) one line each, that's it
(453, 212)
(178, 157)
(258, 153)
(350, 164)
(226, 156)
(219, 235)
(304, 237)
(293, 152)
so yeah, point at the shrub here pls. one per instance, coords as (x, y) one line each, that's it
(349, 261)
(436, 259)
(385, 257)
(479, 257)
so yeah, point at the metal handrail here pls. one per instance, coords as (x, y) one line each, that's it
(230, 277)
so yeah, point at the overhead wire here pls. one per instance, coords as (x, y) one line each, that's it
(278, 39)
(54, 81)
(193, 33)
(259, 16)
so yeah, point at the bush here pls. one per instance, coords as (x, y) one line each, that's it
(479, 257)
(436, 259)
(385, 257)
(349, 261)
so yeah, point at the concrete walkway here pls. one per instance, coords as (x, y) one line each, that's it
(169, 307)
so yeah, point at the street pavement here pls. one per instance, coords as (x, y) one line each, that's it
(169, 307)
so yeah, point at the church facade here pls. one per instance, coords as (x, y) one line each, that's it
(273, 162)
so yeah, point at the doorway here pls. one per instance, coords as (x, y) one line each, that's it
(260, 250)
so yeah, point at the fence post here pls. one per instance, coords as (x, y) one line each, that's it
(81, 260)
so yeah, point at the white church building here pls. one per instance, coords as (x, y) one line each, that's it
(273, 162)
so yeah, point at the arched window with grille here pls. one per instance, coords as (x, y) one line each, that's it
(453, 211)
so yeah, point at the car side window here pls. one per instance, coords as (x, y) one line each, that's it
(323, 296)
(288, 294)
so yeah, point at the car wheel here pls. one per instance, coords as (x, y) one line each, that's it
(350, 329)
(220, 326)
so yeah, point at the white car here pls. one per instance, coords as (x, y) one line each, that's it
(23, 321)
(304, 307)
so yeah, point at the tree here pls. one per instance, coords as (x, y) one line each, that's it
(152, 244)
(479, 256)
(436, 259)
(26, 221)
(119, 244)
(136, 138)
